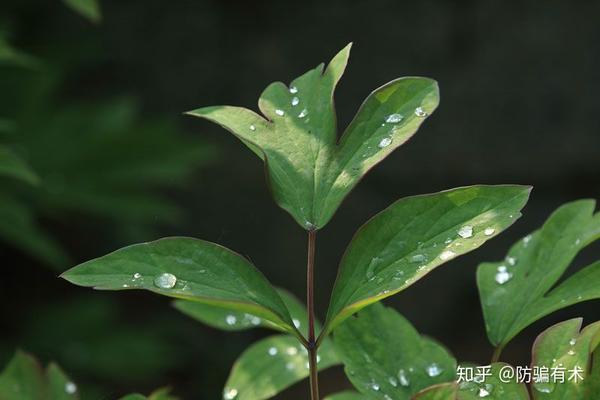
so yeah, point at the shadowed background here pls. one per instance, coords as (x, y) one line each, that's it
(97, 113)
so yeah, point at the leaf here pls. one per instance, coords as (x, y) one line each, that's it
(520, 289)
(564, 346)
(348, 395)
(162, 394)
(271, 365)
(22, 379)
(441, 391)
(134, 396)
(13, 166)
(12, 56)
(223, 318)
(386, 358)
(308, 170)
(413, 236)
(89, 9)
(190, 269)
(60, 387)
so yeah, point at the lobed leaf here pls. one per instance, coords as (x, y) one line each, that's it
(386, 358)
(521, 289)
(564, 346)
(308, 171)
(271, 365)
(413, 236)
(189, 269)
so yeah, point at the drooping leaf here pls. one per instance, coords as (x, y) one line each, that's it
(413, 236)
(13, 166)
(496, 386)
(271, 365)
(348, 395)
(226, 319)
(190, 269)
(519, 290)
(386, 358)
(22, 379)
(89, 9)
(563, 347)
(60, 387)
(309, 171)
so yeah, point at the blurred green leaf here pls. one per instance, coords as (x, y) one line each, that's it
(308, 171)
(11, 56)
(564, 346)
(89, 9)
(385, 357)
(226, 319)
(271, 365)
(189, 269)
(520, 289)
(13, 166)
(413, 236)
(162, 394)
(24, 379)
(348, 395)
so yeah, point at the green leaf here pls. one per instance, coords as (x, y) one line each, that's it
(60, 387)
(89, 9)
(271, 365)
(22, 379)
(441, 391)
(348, 395)
(228, 320)
(592, 383)
(413, 236)
(12, 56)
(162, 394)
(13, 166)
(520, 289)
(309, 171)
(564, 346)
(386, 358)
(134, 396)
(190, 269)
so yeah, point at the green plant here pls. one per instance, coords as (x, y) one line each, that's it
(310, 172)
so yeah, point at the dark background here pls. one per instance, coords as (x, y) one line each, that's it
(519, 104)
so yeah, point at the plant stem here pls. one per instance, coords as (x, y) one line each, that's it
(497, 352)
(310, 305)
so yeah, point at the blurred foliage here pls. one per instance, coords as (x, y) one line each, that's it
(90, 9)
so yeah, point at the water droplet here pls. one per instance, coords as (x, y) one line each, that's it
(165, 281)
(572, 342)
(448, 241)
(230, 394)
(303, 113)
(502, 275)
(375, 386)
(272, 351)
(279, 112)
(290, 366)
(433, 370)
(418, 258)
(393, 381)
(230, 319)
(394, 118)
(318, 358)
(483, 392)
(446, 255)
(296, 323)
(252, 127)
(571, 352)
(403, 377)
(293, 89)
(577, 242)
(511, 261)
(544, 387)
(465, 232)
(291, 351)
(137, 275)
(70, 388)
(254, 320)
(295, 101)
(489, 231)
(526, 240)
(419, 112)
(385, 142)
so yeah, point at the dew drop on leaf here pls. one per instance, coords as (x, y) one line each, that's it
(293, 89)
(165, 281)
(403, 378)
(483, 392)
(230, 394)
(291, 351)
(571, 352)
(279, 112)
(419, 112)
(252, 127)
(295, 101)
(375, 386)
(572, 342)
(417, 258)
(511, 261)
(230, 319)
(272, 351)
(393, 381)
(303, 113)
(394, 118)
(465, 232)
(489, 231)
(296, 323)
(70, 388)
(446, 255)
(502, 275)
(433, 370)
(385, 142)
(544, 387)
